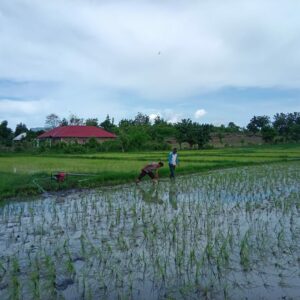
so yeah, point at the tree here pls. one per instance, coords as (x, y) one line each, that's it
(75, 120)
(287, 125)
(257, 123)
(20, 128)
(268, 134)
(124, 140)
(52, 121)
(64, 122)
(91, 122)
(293, 118)
(231, 127)
(161, 130)
(31, 135)
(107, 124)
(160, 121)
(6, 133)
(137, 137)
(280, 123)
(125, 123)
(202, 134)
(295, 132)
(141, 119)
(184, 132)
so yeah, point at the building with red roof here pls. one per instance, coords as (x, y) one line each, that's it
(79, 134)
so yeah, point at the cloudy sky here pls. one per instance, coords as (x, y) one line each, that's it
(213, 61)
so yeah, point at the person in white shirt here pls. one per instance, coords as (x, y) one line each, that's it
(173, 162)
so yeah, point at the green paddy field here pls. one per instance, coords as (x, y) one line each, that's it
(22, 174)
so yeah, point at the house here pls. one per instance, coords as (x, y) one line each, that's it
(79, 134)
(20, 137)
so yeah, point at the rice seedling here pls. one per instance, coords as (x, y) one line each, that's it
(245, 252)
(14, 279)
(34, 277)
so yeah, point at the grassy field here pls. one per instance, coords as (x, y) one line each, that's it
(18, 172)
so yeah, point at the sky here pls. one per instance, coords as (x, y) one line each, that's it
(213, 61)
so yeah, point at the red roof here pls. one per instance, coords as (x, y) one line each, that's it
(77, 132)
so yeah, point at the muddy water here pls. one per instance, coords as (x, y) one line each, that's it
(227, 234)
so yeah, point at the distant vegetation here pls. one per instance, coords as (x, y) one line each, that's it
(140, 133)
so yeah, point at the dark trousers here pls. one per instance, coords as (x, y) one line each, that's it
(172, 170)
(143, 174)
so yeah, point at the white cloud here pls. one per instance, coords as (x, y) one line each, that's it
(200, 113)
(168, 115)
(171, 116)
(12, 107)
(174, 119)
(152, 117)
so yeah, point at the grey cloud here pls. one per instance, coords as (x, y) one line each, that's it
(154, 50)
(202, 44)
(25, 90)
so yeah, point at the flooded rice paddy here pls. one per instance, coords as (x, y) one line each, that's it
(231, 234)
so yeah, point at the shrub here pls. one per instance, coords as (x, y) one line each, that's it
(110, 146)
(154, 145)
(208, 147)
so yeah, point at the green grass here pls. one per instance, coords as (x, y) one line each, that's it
(18, 171)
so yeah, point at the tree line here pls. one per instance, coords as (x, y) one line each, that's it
(140, 133)
(283, 127)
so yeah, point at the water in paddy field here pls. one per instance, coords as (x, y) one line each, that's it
(231, 234)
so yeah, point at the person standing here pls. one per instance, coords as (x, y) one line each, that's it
(173, 162)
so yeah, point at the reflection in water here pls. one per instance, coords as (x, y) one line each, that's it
(151, 195)
(173, 194)
(226, 234)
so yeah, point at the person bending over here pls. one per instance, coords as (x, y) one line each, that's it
(151, 170)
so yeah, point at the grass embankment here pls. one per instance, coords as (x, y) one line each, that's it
(18, 172)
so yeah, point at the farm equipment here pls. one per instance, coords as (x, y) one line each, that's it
(59, 177)
(63, 176)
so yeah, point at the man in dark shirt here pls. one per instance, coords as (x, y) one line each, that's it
(151, 171)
